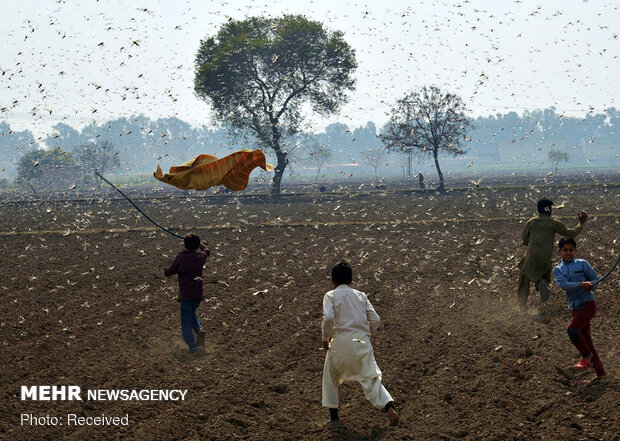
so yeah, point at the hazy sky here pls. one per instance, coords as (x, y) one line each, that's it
(87, 60)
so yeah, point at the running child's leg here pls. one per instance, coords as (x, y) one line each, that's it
(331, 379)
(523, 291)
(195, 322)
(187, 313)
(376, 393)
(200, 333)
(579, 322)
(598, 364)
(543, 288)
(380, 398)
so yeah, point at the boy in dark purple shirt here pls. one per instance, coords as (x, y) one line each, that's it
(188, 265)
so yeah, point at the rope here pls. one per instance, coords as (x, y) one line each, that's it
(138, 208)
(600, 279)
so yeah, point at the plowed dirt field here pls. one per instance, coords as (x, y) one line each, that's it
(83, 301)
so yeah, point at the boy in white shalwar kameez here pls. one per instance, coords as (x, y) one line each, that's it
(348, 318)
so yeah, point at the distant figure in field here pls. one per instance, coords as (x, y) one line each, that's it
(188, 265)
(577, 277)
(421, 180)
(348, 318)
(539, 237)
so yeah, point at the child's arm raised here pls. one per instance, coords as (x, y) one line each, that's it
(203, 247)
(583, 217)
(562, 229)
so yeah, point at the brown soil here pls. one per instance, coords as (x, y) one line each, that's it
(84, 302)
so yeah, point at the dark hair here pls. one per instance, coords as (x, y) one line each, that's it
(342, 273)
(544, 206)
(566, 241)
(191, 242)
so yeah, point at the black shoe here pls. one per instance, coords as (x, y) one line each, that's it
(200, 337)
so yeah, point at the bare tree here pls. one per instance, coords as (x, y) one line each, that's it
(99, 155)
(373, 158)
(318, 154)
(557, 156)
(429, 120)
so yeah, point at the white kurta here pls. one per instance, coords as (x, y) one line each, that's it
(348, 318)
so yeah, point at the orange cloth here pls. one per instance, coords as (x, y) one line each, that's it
(206, 171)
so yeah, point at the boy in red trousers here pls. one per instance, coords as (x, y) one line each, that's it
(577, 277)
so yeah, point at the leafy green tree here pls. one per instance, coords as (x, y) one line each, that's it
(64, 135)
(13, 145)
(428, 120)
(44, 167)
(100, 156)
(258, 74)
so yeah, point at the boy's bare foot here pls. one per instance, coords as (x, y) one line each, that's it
(393, 416)
(595, 380)
(200, 337)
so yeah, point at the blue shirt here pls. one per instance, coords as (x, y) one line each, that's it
(568, 275)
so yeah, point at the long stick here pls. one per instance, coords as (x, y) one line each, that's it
(600, 279)
(138, 208)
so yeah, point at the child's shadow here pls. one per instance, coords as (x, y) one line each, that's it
(182, 355)
(594, 391)
(545, 317)
(340, 432)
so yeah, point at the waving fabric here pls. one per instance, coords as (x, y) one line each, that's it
(206, 171)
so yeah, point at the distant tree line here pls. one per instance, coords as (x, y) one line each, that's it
(510, 138)
(495, 139)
